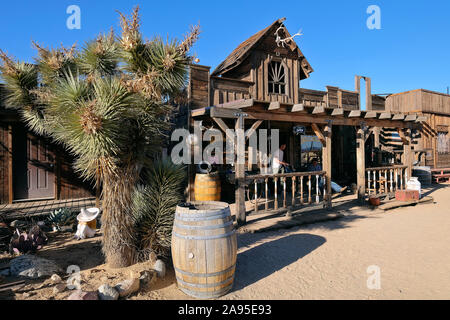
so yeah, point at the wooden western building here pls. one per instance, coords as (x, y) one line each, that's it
(33, 168)
(258, 86)
(433, 144)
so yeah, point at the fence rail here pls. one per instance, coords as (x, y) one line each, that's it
(303, 188)
(384, 180)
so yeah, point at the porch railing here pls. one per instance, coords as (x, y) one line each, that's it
(385, 180)
(287, 189)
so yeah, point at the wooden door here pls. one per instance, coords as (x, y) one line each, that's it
(40, 168)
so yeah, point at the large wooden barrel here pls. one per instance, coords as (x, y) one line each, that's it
(207, 187)
(204, 249)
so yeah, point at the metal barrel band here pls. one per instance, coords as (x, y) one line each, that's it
(189, 227)
(206, 285)
(200, 217)
(206, 275)
(219, 236)
(204, 214)
(203, 295)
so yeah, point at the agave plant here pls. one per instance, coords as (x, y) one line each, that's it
(62, 217)
(154, 205)
(107, 103)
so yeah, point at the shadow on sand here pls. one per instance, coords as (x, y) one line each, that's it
(261, 261)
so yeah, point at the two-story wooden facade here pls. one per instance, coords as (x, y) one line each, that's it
(258, 86)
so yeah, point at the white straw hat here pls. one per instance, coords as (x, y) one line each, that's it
(87, 215)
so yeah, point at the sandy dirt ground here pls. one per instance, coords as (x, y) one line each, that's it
(328, 260)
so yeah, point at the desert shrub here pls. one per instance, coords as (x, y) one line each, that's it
(153, 209)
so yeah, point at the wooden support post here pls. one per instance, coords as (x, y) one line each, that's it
(360, 164)
(408, 155)
(368, 93)
(240, 171)
(358, 90)
(326, 159)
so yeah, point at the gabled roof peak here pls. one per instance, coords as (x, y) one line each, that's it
(239, 54)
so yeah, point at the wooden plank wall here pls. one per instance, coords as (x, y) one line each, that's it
(4, 163)
(436, 102)
(260, 75)
(404, 102)
(198, 92)
(225, 90)
(69, 184)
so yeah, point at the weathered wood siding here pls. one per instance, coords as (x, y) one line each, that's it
(68, 183)
(198, 91)
(225, 90)
(4, 163)
(436, 107)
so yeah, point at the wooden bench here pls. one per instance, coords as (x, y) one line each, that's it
(441, 174)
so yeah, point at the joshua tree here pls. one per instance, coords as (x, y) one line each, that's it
(108, 104)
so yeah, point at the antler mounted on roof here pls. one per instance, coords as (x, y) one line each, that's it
(281, 42)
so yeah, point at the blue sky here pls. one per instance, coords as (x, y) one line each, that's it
(411, 50)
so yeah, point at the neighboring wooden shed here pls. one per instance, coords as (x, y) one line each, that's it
(435, 140)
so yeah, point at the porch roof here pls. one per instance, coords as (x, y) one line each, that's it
(298, 113)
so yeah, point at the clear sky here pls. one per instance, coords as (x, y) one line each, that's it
(410, 51)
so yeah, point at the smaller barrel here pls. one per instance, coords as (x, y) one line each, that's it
(207, 187)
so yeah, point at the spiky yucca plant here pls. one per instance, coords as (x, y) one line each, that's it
(154, 205)
(107, 103)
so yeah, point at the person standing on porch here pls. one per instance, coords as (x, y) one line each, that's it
(277, 159)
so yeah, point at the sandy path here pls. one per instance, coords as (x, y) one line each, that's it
(411, 246)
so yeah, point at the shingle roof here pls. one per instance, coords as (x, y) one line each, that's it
(240, 53)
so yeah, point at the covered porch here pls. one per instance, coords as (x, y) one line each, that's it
(267, 192)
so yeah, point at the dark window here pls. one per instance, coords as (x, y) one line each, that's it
(277, 78)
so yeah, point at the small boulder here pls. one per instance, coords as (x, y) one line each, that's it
(106, 292)
(60, 287)
(18, 224)
(160, 268)
(127, 287)
(147, 278)
(30, 266)
(82, 295)
(55, 278)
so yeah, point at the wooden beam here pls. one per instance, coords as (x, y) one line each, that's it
(337, 112)
(252, 129)
(298, 108)
(237, 104)
(223, 126)
(422, 119)
(318, 133)
(408, 155)
(369, 132)
(411, 117)
(307, 118)
(354, 114)
(240, 172)
(318, 110)
(385, 115)
(398, 116)
(371, 115)
(402, 136)
(361, 165)
(275, 105)
(326, 160)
